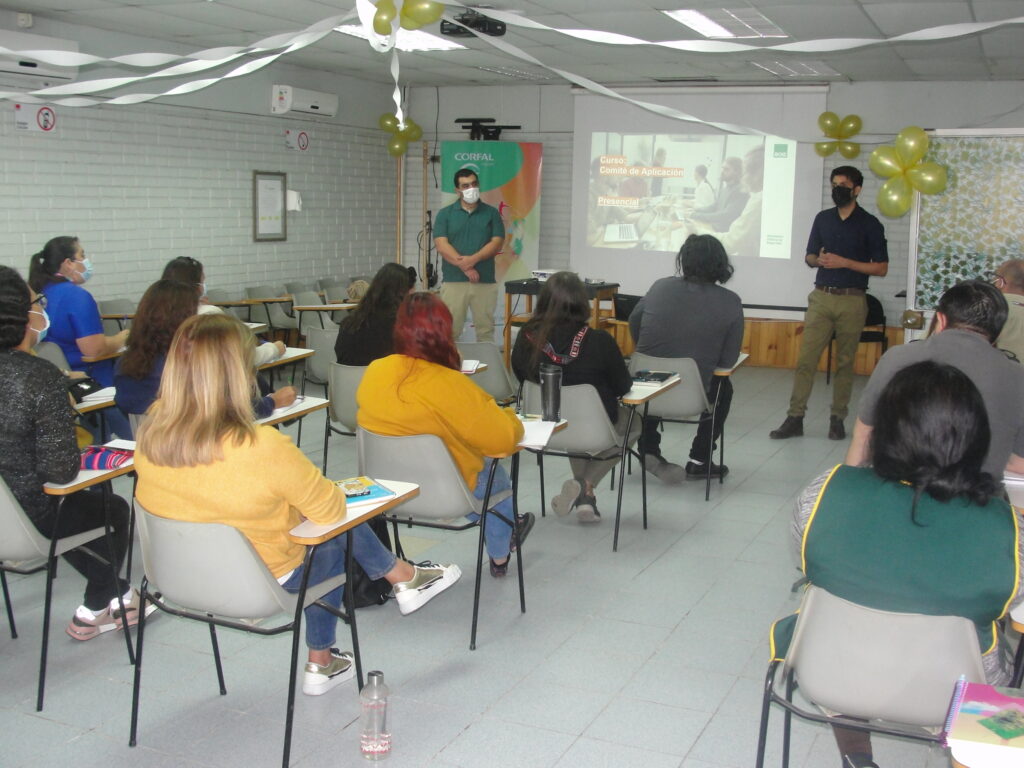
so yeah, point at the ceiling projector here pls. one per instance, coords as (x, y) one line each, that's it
(472, 20)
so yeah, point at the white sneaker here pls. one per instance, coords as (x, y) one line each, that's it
(319, 680)
(563, 503)
(430, 580)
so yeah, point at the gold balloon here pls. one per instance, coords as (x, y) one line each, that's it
(895, 197)
(849, 149)
(824, 148)
(911, 144)
(885, 162)
(829, 124)
(849, 126)
(409, 23)
(388, 122)
(927, 178)
(385, 14)
(411, 131)
(422, 11)
(397, 146)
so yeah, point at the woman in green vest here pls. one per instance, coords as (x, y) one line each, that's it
(922, 530)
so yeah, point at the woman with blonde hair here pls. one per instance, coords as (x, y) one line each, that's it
(202, 458)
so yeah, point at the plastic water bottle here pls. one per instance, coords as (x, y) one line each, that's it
(375, 739)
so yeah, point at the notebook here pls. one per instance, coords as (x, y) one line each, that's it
(360, 491)
(986, 725)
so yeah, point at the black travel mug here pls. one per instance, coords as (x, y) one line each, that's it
(550, 391)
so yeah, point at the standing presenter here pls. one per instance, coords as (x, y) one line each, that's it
(469, 234)
(847, 246)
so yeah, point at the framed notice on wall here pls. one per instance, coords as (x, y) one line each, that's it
(269, 221)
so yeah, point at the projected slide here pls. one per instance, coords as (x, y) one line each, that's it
(649, 191)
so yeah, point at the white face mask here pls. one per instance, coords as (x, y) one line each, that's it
(471, 195)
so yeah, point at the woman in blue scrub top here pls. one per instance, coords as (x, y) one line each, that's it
(58, 271)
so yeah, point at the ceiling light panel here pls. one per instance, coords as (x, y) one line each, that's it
(728, 23)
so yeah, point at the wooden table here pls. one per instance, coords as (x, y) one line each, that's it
(596, 292)
(310, 534)
(302, 407)
(120, 317)
(320, 309)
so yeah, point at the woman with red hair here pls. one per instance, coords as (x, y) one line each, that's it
(420, 390)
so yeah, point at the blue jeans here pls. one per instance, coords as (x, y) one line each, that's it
(498, 535)
(329, 561)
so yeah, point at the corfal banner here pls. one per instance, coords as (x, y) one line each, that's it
(509, 174)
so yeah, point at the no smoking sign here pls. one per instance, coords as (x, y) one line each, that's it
(29, 117)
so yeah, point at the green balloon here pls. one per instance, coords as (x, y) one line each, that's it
(388, 122)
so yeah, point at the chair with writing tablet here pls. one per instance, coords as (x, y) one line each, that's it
(297, 287)
(318, 367)
(444, 499)
(273, 313)
(116, 307)
(342, 382)
(889, 673)
(589, 434)
(216, 295)
(24, 550)
(686, 403)
(309, 299)
(495, 380)
(209, 572)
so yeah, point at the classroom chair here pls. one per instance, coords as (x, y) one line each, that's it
(495, 380)
(343, 381)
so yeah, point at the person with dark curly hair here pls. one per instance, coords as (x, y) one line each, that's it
(691, 315)
(38, 445)
(366, 334)
(924, 529)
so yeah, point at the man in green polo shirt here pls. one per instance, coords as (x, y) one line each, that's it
(469, 234)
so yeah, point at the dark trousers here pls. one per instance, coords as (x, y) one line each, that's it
(84, 511)
(706, 439)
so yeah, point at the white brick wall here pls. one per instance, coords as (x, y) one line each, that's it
(144, 184)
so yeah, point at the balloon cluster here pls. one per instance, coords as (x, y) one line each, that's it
(839, 130)
(901, 165)
(401, 134)
(414, 14)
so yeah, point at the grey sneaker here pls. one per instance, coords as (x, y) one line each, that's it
(430, 580)
(563, 503)
(586, 510)
(666, 471)
(319, 680)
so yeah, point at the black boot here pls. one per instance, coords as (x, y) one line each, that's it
(793, 426)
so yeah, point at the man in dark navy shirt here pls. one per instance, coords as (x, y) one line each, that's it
(847, 245)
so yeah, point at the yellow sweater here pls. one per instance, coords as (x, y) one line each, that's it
(263, 489)
(402, 395)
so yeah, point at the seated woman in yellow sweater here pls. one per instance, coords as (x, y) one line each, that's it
(201, 457)
(421, 391)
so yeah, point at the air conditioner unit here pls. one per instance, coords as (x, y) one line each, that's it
(285, 98)
(26, 71)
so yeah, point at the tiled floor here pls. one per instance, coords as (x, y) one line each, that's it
(652, 656)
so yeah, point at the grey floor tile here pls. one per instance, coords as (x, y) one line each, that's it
(595, 753)
(484, 740)
(639, 723)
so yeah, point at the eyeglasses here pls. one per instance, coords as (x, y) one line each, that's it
(40, 300)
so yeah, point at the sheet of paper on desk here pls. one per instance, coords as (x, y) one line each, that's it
(537, 433)
(299, 400)
(121, 445)
(100, 394)
(470, 366)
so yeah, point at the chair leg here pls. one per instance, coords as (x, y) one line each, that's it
(543, 498)
(51, 573)
(787, 720)
(349, 599)
(327, 437)
(480, 551)
(216, 660)
(300, 598)
(7, 605)
(137, 684)
(766, 704)
(622, 470)
(109, 536)
(1018, 664)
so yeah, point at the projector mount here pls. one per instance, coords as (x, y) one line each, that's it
(480, 128)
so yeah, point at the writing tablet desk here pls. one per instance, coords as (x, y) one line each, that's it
(302, 407)
(320, 309)
(310, 534)
(596, 292)
(119, 317)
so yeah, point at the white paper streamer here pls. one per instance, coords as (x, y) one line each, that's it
(943, 32)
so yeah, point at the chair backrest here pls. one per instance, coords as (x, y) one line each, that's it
(19, 538)
(336, 294)
(325, 282)
(876, 314)
(306, 298)
(115, 307)
(53, 353)
(208, 567)
(1014, 487)
(260, 312)
(220, 294)
(495, 380)
(136, 420)
(343, 381)
(588, 429)
(297, 287)
(686, 400)
(321, 341)
(873, 664)
(420, 459)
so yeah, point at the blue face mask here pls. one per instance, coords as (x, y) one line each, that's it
(87, 272)
(41, 332)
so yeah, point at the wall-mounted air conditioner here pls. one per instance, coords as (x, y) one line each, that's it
(28, 72)
(285, 98)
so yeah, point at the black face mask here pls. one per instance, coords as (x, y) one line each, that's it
(842, 196)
